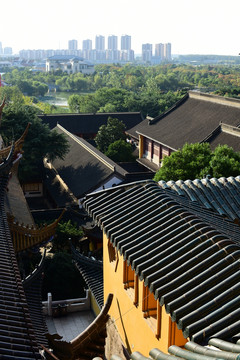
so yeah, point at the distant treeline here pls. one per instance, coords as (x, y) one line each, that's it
(150, 89)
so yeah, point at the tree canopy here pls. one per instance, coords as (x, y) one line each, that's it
(40, 141)
(120, 151)
(197, 160)
(108, 134)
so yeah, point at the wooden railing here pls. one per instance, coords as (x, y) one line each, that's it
(26, 237)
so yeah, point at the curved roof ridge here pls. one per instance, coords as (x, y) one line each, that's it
(95, 152)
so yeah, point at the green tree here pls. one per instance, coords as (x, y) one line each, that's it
(224, 162)
(40, 141)
(120, 151)
(108, 134)
(197, 160)
(186, 163)
(74, 103)
(64, 232)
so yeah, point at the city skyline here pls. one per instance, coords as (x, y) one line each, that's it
(206, 27)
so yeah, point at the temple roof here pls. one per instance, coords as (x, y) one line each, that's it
(221, 195)
(89, 123)
(16, 204)
(17, 338)
(191, 120)
(92, 272)
(216, 349)
(188, 257)
(33, 290)
(85, 168)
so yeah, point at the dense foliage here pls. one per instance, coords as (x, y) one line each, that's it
(150, 89)
(120, 151)
(111, 140)
(65, 231)
(40, 141)
(108, 134)
(195, 161)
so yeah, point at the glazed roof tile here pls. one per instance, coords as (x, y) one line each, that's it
(221, 195)
(187, 260)
(216, 349)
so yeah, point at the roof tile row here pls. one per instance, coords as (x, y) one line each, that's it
(190, 265)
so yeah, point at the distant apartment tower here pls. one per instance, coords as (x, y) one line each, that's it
(112, 42)
(167, 51)
(159, 51)
(100, 43)
(7, 51)
(147, 52)
(87, 49)
(72, 44)
(125, 42)
(1, 49)
(87, 44)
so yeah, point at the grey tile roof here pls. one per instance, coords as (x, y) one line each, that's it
(17, 338)
(191, 120)
(33, 290)
(189, 264)
(15, 202)
(92, 273)
(216, 349)
(89, 123)
(224, 138)
(221, 195)
(85, 168)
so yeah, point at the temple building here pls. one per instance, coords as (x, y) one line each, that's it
(196, 118)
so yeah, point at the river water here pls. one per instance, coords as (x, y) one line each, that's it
(56, 98)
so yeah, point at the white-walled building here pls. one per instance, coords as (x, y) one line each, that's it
(69, 64)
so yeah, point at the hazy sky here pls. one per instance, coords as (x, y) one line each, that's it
(191, 26)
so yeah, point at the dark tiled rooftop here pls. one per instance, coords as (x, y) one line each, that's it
(190, 120)
(89, 123)
(85, 168)
(33, 290)
(225, 138)
(92, 273)
(17, 338)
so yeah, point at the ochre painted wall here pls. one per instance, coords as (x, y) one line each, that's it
(140, 146)
(135, 331)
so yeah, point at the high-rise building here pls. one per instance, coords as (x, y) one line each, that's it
(1, 49)
(159, 51)
(127, 55)
(100, 43)
(112, 42)
(125, 42)
(147, 52)
(72, 44)
(168, 51)
(87, 44)
(7, 51)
